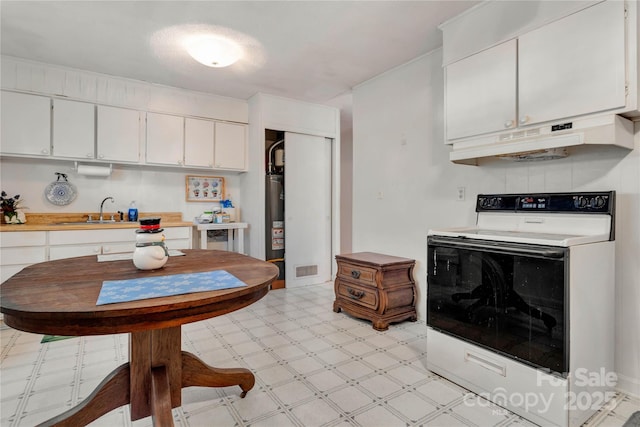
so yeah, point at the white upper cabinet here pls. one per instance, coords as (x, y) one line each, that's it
(230, 146)
(481, 92)
(165, 139)
(55, 128)
(573, 66)
(26, 124)
(73, 129)
(118, 134)
(198, 142)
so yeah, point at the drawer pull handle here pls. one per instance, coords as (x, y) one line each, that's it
(355, 274)
(355, 294)
(486, 363)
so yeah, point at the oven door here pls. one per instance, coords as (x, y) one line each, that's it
(508, 297)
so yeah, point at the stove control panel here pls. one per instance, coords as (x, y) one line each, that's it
(601, 202)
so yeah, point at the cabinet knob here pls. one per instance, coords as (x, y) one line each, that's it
(524, 119)
(101, 156)
(508, 124)
(89, 155)
(355, 274)
(180, 162)
(44, 151)
(107, 249)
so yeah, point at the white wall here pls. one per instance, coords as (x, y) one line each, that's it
(346, 190)
(404, 184)
(47, 79)
(153, 189)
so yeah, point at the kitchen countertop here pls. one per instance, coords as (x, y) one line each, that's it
(51, 221)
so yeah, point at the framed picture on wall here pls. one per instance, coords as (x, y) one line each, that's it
(204, 188)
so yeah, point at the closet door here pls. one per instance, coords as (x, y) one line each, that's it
(307, 209)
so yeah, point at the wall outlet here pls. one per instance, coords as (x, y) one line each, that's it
(460, 193)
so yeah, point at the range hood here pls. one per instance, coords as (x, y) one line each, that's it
(548, 141)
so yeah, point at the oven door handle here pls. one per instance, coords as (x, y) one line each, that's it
(499, 247)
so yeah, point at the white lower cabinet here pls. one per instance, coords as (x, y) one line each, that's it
(72, 243)
(21, 249)
(178, 237)
(71, 251)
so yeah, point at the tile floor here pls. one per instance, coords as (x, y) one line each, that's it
(313, 367)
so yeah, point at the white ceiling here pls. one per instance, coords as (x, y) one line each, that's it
(308, 50)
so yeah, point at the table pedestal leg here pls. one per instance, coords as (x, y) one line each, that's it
(160, 398)
(151, 383)
(197, 373)
(110, 394)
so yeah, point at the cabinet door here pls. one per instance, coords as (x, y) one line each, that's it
(481, 92)
(24, 255)
(26, 124)
(20, 249)
(101, 236)
(23, 238)
(178, 244)
(573, 66)
(198, 142)
(118, 248)
(230, 146)
(165, 139)
(71, 251)
(118, 134)
(73, 129)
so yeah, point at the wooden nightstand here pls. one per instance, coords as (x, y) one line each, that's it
(376, 287)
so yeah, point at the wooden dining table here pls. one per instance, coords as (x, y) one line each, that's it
(59, 298)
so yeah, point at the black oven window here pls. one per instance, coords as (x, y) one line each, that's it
(511, 303)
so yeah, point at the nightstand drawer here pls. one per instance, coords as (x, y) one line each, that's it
(363, 275)
(357, 294)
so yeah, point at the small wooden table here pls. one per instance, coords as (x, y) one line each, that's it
(376, 287)
(59, 298)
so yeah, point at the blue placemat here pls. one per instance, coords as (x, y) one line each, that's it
(162, 286)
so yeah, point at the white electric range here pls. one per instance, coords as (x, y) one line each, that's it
(520, 305)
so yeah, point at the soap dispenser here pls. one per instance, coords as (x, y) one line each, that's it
(133, 212)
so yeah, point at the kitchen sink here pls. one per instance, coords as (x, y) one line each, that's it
(85, 222)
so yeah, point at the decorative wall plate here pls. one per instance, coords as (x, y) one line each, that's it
(59, 192)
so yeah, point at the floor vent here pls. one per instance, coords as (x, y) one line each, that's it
(306, 270)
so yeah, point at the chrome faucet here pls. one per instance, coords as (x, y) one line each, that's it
(102, 206)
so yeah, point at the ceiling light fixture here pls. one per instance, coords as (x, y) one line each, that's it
(214, 51)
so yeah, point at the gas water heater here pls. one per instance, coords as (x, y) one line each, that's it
(274, 207)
